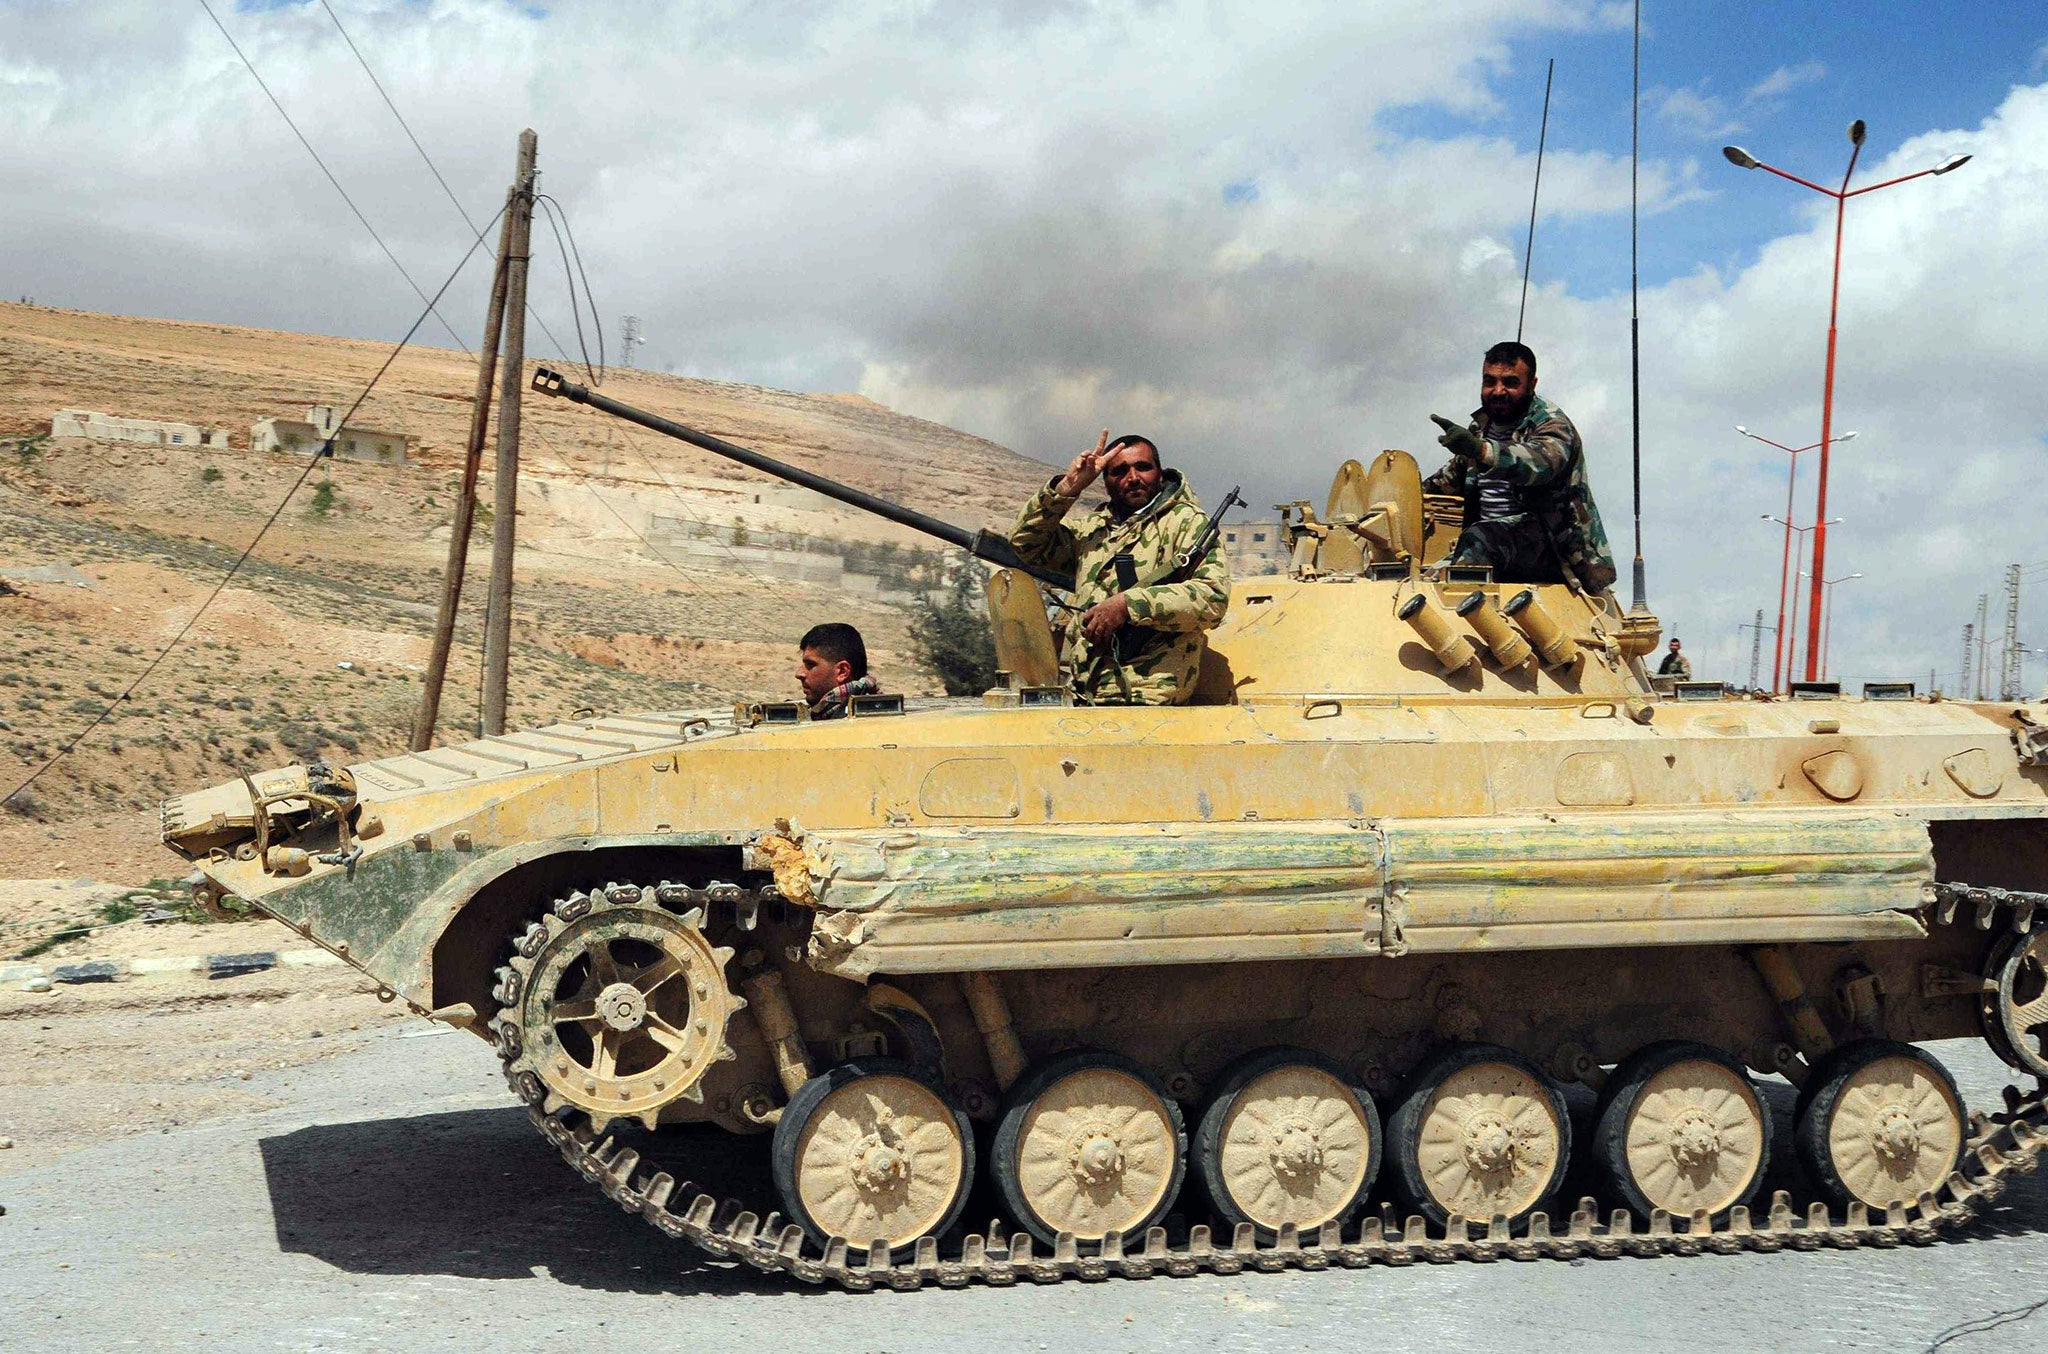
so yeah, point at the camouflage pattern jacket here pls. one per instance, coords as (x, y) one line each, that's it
(1543, 457)
(1161, 669)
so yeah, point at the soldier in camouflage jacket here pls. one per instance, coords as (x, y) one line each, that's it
(1520, 463)
(1151, 515)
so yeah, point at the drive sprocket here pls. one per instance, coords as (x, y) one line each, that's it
(614, 1005)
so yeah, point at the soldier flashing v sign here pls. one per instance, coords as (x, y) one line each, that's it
(1136, 636)
(1521, 470)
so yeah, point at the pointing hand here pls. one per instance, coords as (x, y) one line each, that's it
(1459, 440)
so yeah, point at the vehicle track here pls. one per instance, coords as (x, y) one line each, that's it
(2000, 1145)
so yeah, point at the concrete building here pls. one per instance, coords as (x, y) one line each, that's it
(302, 435)
(1255, 549)
(152, 432)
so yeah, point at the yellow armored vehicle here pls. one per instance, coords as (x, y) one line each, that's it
(1426, 915)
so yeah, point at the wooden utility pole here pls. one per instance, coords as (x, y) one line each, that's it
(505, 496)
(465, 497)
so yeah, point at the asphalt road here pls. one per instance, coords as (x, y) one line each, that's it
(399, 1200)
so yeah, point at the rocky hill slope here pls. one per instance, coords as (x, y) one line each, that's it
(319, 643)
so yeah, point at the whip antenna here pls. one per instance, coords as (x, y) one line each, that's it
(1529, 249)
(1635, 350)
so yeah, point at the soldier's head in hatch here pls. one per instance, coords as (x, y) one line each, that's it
(1130, 473)
(829, 655)
(1507, 380)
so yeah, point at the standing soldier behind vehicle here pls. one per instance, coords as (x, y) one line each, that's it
(1521, 470)
(1136, 634)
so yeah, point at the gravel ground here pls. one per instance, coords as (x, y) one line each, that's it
(391, 1195)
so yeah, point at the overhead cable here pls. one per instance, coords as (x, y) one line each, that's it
(325, 450)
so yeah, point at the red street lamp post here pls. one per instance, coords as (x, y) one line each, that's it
(1742, 159)
(1781, 646)
(1792, 631)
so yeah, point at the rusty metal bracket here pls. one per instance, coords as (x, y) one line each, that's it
(2030, 739)
(1860, 993)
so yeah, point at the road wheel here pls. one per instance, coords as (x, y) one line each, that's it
(1879, 1123)
(1480, 1133)
(1682, 1128)
(1089, 1143)
(873, 1150)
(1288, 1137)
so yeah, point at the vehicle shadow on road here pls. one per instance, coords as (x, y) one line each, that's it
(476, 1194)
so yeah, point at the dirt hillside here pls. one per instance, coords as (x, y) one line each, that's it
(107, 550)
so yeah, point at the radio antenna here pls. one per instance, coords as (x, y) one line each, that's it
(1529, 249)
(1635, 350)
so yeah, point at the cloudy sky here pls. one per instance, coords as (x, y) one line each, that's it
(1272, 235)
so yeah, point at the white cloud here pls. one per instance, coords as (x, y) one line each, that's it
(1692, 111)
(1783, 81)
(1031, 218)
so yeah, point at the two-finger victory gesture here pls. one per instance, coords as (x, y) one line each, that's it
(1085, 468)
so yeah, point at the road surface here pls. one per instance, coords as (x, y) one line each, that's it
(395, 1198)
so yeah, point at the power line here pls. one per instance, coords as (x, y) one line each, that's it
(325, 450)
(555, 209)
(274, 103)
(432, 168)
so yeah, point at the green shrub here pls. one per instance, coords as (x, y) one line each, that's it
(953, 638)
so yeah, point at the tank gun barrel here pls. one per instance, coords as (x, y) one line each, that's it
(981, 543)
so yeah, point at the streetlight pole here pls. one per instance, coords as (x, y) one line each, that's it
(1828, 613)
(1742, 159)
(1792, 631)
(1781, 643)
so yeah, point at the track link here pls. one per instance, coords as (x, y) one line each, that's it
(2000, 1146)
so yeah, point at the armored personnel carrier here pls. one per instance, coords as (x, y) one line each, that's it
(1308, 971)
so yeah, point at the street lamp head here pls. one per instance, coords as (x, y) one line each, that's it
(1845, 437)
(1952, 162)
(1856, 130)
(1739, 157)
(1744, 431)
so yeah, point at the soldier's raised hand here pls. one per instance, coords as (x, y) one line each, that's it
(1085, 468)
(1459, 440)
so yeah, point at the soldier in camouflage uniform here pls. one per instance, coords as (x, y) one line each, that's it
(1152, 516)
(1521, 470)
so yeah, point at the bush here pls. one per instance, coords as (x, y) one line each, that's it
(211, 475)
(953, 638)
(324, 498)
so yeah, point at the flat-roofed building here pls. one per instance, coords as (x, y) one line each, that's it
(354, 443)
(150, 432)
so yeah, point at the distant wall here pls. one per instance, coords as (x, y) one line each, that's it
(1256, 548)
(152, 432)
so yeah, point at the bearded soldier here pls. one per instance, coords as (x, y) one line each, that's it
(1136, 634)
(1521, 470)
